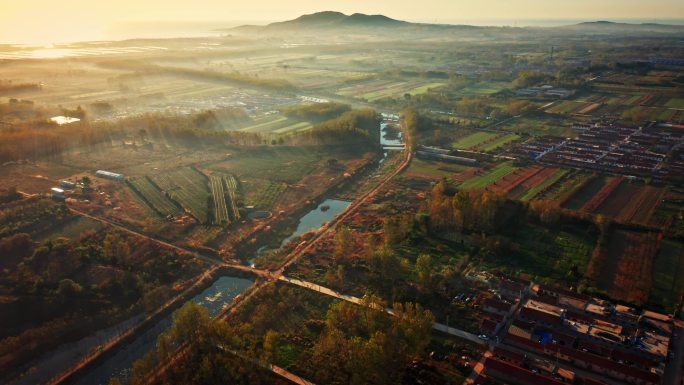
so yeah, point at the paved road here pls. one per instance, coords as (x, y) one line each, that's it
(332, 293)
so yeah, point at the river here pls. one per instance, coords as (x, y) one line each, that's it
(216, 297)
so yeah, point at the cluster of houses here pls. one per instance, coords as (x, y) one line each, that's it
(613, 149)
(551, 335)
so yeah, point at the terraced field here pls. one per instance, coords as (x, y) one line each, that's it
(153, 197)
(189, 188)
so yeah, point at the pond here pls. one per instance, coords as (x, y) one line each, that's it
(317, 217)
(313, 220)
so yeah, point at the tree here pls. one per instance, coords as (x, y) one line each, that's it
(341, 275)
(424, 270)
(68, 288)
(343, 243)
(270, 345)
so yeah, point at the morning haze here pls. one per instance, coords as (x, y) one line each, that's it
(341, 192)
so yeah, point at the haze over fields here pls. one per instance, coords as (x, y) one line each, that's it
(80, 20)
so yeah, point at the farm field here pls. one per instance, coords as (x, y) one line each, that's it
(484, 88)
(585, 192)
(281, 163)
(473, 140)
(548, 181)
(189, 188)
(676, 103)
(375, 90)
(263, 194)
(625, 266)
(549, 254)
(219, 200)
(488, 178)
(631, 202)
(668, 268)
(153, 197)
(277, 124)
(431, 169)
(484, 141)
(540, 125)
(567, 107)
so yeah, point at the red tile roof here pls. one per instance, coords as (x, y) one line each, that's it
(605, 363)
(515, 373)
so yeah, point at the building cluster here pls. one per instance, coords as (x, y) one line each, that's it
(620, 150)
(551, 335)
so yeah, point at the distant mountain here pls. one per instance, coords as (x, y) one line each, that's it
(331, 19)
(330, 22)
(610, 26)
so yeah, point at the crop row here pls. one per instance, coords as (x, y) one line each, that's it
(157, 200)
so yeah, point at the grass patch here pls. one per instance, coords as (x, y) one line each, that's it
(501, 141)
(434, 168)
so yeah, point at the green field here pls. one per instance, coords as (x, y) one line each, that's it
(189, 188)
(498, 142)
(531, 193)
(484, 88)
(277, 124)
(668, 268)
(544, 253)
(566, 107)
(433, 168)
(675, 103)
(488, 178)
(153, 197)
(473, 140)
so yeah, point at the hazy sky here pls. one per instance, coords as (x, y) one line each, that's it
(67, 20)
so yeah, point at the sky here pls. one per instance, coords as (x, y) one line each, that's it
(45, 21)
